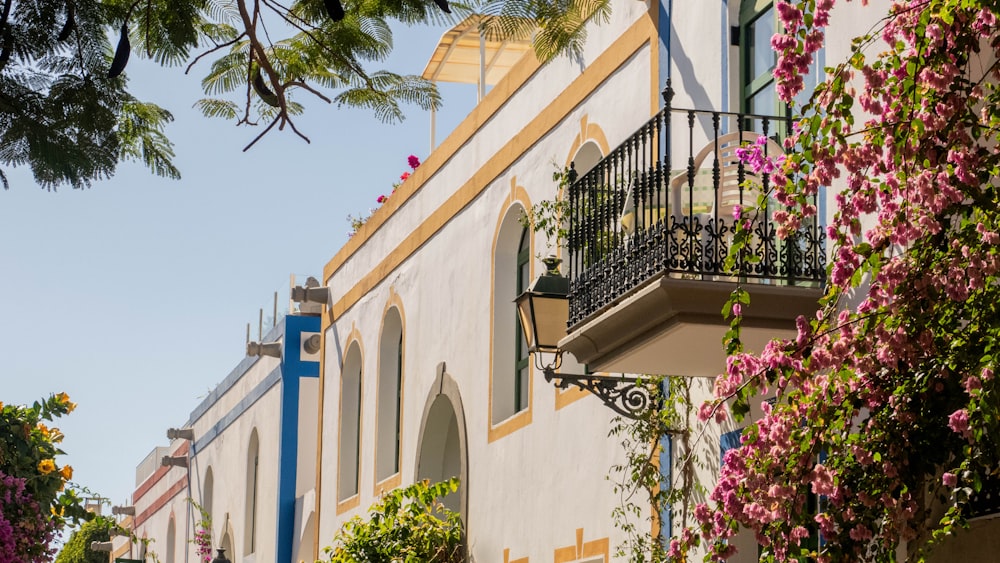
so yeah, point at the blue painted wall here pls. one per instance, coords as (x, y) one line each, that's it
(292, 370)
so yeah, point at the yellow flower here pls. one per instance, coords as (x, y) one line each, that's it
(64, 399)
(55, 435)
(66, 472)
(43, 429)
(46, 466)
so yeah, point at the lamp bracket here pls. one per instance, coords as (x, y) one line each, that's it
(626, 396)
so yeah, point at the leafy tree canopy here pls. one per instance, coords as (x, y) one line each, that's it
(66, 111)
(77, 549)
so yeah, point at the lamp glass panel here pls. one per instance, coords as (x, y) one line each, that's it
(551, 314)
(524, 314)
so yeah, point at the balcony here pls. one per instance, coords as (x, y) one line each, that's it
(650, 227)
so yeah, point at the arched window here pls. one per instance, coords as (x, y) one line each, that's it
(227, 545)
(252, 495)
(523, 278)
(171, 541)
(510, 376)
(349, 452)
(390, 389)
(207, 487)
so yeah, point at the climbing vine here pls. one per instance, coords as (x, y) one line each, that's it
(886, 400)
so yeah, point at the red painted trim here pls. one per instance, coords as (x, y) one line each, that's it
(160, 502)
(158, 474)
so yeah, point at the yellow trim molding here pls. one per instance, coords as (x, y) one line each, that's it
(517, 198)
(507, 559)
(641, 34)
(580, 550)
(588, 132)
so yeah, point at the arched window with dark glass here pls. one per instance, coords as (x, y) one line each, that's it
(390, 394)
(252, 500)
(521, 380)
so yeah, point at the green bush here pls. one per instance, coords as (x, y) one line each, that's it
(408, 525)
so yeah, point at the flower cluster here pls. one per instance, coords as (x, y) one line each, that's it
(755, 156)
(26, 533)
(360, 220)
(202, 533)
(886, 396)
(203, 543)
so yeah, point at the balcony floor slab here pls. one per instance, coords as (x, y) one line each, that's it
(674, 326)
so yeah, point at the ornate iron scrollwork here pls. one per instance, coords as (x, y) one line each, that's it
(627, 396)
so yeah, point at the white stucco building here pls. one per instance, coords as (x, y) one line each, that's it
(248, 459)
(422, 372)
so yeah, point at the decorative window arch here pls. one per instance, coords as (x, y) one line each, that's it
(252, 498)
(510, 370)
(389, 404)
(171, 546)
(587, 150)
(207, 490)
(349, 450)
(227, 543)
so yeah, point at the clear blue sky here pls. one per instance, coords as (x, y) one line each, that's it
(133, 296)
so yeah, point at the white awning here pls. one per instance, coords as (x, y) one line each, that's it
(465, 56)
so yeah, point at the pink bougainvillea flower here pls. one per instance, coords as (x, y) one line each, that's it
(404, 176)
(949, 479)
(382, 198)
(413, 161)
(959, 422)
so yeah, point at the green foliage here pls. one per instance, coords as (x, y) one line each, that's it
(202, 534)
(648, 490)
(550, 216)
(28, 448)
(77, 549)
(553, 27)
(409, 525)
(59, 113)
(62, 116)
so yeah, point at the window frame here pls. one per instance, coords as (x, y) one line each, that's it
(522, 375)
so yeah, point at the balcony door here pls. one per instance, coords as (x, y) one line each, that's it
(758, 95)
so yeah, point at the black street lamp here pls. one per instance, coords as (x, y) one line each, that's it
(220, 557)
(543, 311)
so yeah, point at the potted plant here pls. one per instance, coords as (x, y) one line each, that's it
(550, 217)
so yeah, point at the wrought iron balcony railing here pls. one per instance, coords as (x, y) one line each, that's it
(641, 213)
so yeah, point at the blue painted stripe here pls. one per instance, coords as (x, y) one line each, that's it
(293, 368)
(238, 372)
(245, 403)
